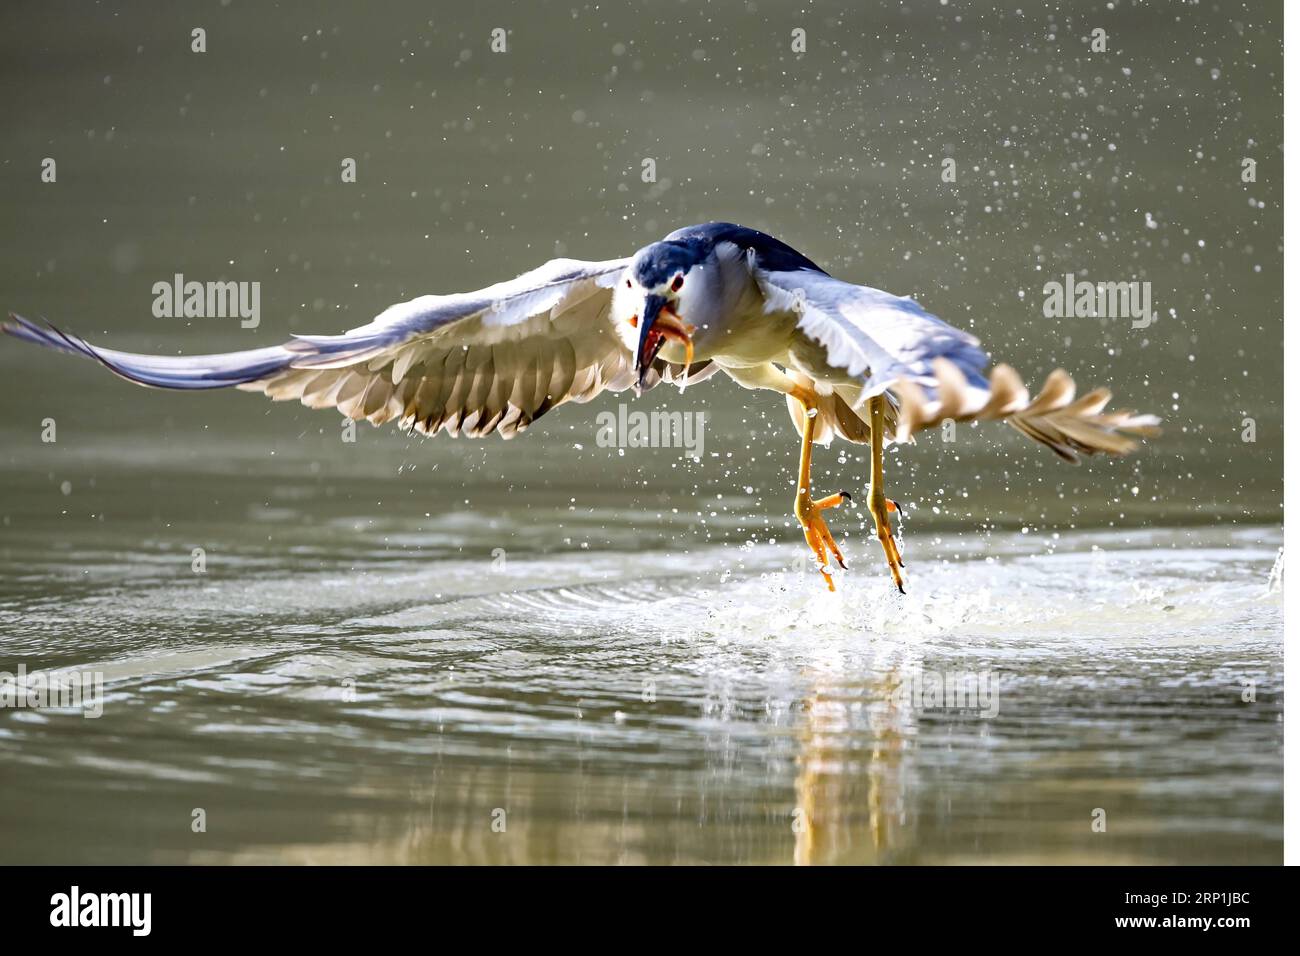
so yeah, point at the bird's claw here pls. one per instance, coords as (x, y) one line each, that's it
(880, 506)
(815, 531)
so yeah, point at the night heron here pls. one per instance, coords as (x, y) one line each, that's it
(852, 361)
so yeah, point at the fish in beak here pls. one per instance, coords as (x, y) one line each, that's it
(659, 324)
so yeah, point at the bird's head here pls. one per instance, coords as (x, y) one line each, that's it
(667, 286)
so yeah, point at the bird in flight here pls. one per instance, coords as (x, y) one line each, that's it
(852, 362)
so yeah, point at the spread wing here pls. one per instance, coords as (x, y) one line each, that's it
(932, 371)
(872, 335)
(469, 363)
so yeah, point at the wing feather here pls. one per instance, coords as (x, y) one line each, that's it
(934, 371)
(870, 335)
(474, 362)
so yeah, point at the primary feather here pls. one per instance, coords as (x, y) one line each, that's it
(468, 363)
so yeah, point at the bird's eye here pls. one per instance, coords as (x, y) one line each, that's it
(629, 283)
(634, 320)
(677, 283)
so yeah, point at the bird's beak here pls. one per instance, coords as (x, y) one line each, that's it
(658, 324)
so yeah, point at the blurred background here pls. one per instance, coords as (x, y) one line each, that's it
(473, 166)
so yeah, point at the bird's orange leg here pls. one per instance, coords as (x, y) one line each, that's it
(808, 511)
(877, 503)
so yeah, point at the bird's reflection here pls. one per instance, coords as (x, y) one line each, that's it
(852, 786)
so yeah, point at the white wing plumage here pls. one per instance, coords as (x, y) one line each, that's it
(877, 337)
(469, 363)
(934, 372)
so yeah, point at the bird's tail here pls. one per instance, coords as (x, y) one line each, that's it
(1069, 426)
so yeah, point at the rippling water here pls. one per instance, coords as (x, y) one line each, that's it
(324, 699)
